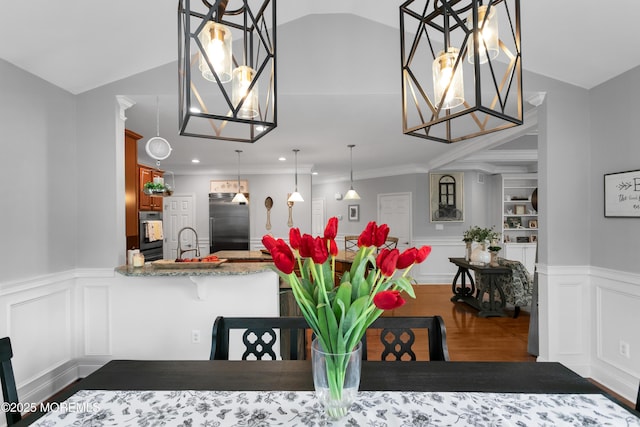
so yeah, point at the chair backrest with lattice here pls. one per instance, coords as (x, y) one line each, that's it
(259, 337)
(351, 243)
(390, 243)
(398, 337)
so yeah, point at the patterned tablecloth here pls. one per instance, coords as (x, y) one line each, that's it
(517, 286)
(237, 408)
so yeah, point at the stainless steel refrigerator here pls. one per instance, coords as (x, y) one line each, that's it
(228, 223)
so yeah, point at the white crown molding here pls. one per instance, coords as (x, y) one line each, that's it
(485, 142)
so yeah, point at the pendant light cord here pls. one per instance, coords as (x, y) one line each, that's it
(296, 165)
(157, 115)
(238, 151)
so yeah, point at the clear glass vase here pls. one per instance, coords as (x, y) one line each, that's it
(336, 378)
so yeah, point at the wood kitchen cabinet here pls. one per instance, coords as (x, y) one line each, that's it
(131, 187)
(146, 202)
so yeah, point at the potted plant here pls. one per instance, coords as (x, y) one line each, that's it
(493, 250)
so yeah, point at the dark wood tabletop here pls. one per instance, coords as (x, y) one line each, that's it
(525, 377)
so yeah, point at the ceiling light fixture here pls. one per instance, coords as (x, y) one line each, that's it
(444, 97)
(351, 194)
(295, 196)
(210, 107)
(239, 197)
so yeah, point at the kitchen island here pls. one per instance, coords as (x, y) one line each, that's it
(157, 313)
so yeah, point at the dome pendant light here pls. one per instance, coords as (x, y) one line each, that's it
(351, 194)
(239, 197)
(295, 196)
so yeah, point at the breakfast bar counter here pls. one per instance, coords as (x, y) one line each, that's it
(192, 269)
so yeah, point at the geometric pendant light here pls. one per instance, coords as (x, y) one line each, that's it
(227, 69)
(461, 68)
(351, 194)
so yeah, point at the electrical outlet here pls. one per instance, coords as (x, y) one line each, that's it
(625, 349)
(195, 336)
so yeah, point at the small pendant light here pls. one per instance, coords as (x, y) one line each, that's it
(239, 197)
(295, 196)
(351, 194)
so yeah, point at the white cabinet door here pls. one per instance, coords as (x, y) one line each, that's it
(523, 252)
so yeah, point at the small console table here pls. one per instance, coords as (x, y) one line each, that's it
(473, 295)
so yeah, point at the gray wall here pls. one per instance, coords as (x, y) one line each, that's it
(615, 147)
(476, 206)
(38, 176)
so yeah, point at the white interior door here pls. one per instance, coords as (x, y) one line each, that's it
(394, 209)
(178, 213)
(318, 220)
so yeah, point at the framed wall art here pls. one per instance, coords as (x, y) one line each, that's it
(354, 212)
(622, 194)
(446, 197)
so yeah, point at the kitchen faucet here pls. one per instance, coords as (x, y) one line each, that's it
(182, 251)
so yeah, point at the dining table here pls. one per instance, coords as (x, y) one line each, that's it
(262, 393)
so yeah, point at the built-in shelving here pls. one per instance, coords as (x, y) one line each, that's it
(519, 218)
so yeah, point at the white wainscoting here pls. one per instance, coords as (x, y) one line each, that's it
(65, 325)
(616, 318)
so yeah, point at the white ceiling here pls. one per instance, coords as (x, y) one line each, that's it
(80, 45)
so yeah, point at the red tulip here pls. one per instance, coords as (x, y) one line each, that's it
(367, 236)
(333, 247)
(381, 235)
(283, 257)
(294, 238)
(320, 252)
(407, 258)
(386, 261)
(423, 253)
(306, 246)
(331, 230)
(268, 241)
(388, 300)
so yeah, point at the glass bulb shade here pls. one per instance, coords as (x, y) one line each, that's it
(447, 80)
(216, 42)
(487, 33)
(239, 198)
(352, 195)
(242, 78)
(295, 197)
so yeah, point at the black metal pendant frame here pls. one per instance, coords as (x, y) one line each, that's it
(205, 107)
(493, 90)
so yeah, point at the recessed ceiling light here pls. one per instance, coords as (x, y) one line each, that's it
(314, 173)
(194, 109)
(195, 161)
(282, 158)
(260, 128)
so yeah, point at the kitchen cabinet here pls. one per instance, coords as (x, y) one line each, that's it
(523, 252)
(146, 202)
(131, 187)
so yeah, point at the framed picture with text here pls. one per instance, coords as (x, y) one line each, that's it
(622, 194)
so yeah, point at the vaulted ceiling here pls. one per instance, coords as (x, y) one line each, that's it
(329, 95)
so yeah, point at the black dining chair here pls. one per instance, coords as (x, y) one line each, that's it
(398, 337)
(638, 400)
(259, 337)
(9, 390)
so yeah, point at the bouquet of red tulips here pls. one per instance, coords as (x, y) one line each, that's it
(340, 314)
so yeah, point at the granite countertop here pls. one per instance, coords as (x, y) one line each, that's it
(225, 269)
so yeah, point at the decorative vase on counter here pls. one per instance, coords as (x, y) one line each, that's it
(480, 254)
(494, 259)
(336, 378)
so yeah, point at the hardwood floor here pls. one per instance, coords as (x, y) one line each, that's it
(469, 337)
